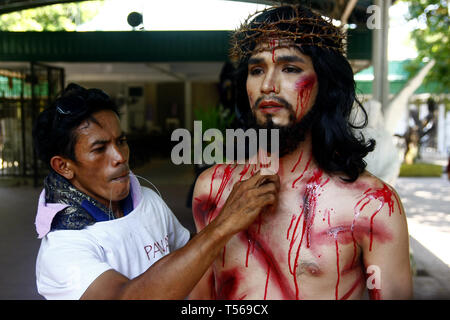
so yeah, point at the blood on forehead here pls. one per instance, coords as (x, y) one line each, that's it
(272, 45)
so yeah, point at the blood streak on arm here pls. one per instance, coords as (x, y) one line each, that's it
(244, 171)
(204, 206)
(226, 177)
(206, 212)
(205, 209)
(201, 210)
(383, 196)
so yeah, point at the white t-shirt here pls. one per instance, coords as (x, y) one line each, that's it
(70, 260)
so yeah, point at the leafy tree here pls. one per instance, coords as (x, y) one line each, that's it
(58, 17)
(423, 131)
(431, 39)
(431, 20)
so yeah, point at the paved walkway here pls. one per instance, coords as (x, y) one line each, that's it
(427, 204)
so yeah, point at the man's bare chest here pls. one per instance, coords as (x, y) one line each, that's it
(298, 242)
(280, 257)
(310, 240)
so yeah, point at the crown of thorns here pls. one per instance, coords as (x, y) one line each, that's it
(298, 28)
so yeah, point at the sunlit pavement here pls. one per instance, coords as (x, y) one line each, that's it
(426, 201)
(427, 206)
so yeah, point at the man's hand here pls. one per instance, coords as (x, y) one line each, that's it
(246, 201)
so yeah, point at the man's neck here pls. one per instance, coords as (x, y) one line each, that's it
(294, 163)
(300, 160)
(114, 206)
(116, 209)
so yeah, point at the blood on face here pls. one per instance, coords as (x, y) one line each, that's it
(304, 87)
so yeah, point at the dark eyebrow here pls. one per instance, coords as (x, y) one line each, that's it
(290, 59)
(255, 61)
(96, 142)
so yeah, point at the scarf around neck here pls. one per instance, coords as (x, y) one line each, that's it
(82, 211)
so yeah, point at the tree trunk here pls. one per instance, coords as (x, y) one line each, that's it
(399, 104)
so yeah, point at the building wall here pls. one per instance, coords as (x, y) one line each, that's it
(205, 95)
(162, 106)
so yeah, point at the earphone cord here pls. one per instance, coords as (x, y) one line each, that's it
(159, 193)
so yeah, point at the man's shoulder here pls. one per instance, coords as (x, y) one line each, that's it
(207, 173)
(149, 194)
(68, 241)
(364, 183)
(153, 205)
(204, 181)
(367, 193)
(228, 173)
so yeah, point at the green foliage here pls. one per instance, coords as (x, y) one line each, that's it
(217, 118)
(58, 17)
(420, 170)
(214, 118)
(431, 39)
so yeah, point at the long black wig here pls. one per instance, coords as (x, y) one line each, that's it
(335, 145)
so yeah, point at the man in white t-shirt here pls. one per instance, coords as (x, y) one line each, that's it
(103, 235)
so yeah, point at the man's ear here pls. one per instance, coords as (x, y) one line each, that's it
(62, 166)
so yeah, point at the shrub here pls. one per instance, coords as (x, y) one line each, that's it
(420, 170)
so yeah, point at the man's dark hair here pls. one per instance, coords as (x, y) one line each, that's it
(54, 130)
(334, 145)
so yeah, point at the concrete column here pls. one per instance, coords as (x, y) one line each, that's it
(385, 29)
(188, 105)
(380, 87)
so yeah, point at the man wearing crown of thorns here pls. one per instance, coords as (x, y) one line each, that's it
(336, 232)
